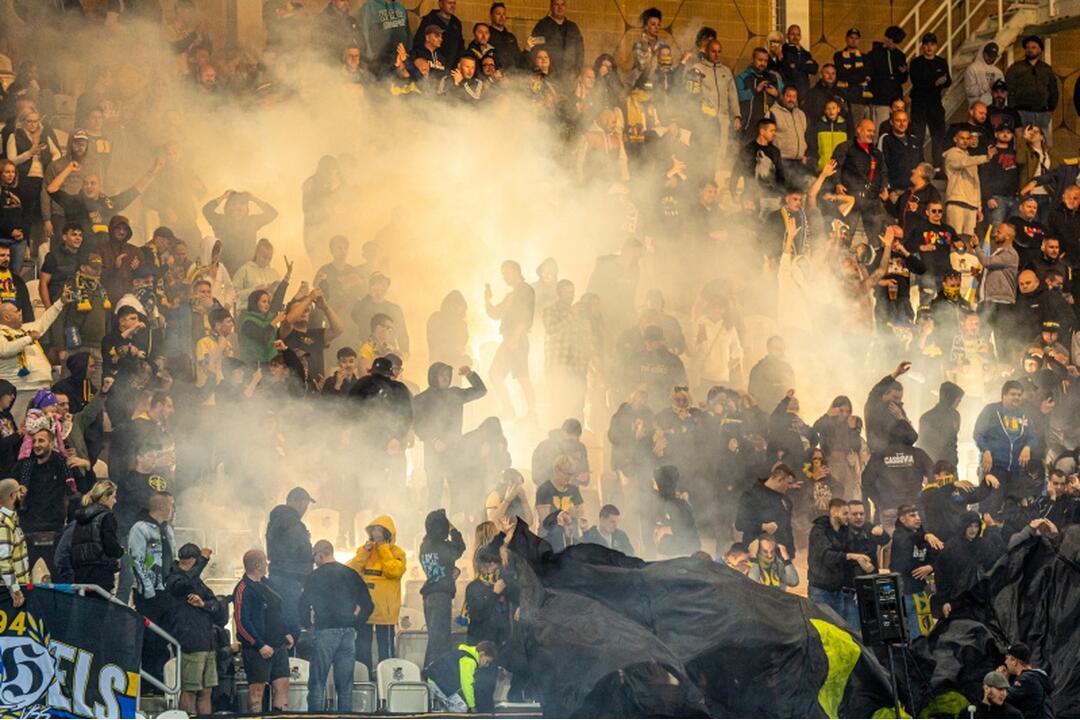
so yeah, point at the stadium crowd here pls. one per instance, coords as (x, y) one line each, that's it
(947, 251)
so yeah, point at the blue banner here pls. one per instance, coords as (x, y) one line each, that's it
(62, 655)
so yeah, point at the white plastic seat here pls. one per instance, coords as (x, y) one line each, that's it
(400, 688)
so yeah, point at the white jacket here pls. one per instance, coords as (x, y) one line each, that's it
(15, 342)
(962, 173)
(719, 352)
(979, 77)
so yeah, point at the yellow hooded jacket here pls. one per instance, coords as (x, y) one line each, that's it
(382, 568)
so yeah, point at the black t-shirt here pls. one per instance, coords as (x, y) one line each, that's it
(568, 499)
(312, 341)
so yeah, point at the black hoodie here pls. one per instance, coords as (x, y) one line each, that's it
(886, 78)
(441, 547)
(438, 412)
(193, 627)
(80, 390)
(10, 439)
(958, 566)
(940, 425)
(895, 476)
(882, 427)
(288, 544)
(1032, 694)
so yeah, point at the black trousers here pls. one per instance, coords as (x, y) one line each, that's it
(930, 116)
(155, 651)
(438, 608)
(384, 635)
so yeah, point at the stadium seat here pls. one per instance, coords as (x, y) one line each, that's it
(400, 687)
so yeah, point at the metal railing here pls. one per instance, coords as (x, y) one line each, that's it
(172, 690)
(953, 21)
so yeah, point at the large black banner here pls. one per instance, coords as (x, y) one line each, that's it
(62, 655)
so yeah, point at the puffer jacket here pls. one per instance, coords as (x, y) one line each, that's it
(382, 567)
(822, 137)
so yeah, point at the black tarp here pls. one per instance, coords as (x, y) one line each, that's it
(607, 635)
(1031, 595)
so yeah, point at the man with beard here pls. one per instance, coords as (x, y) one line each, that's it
(45, 477)
(1029, 231)
(863, 538)
(91, 207)
(861, 174)
(828, 556)
(438, 415)
(13, 288)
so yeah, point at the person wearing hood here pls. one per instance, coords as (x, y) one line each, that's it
(438, 414)
(939, 427)
(981, 74)
(151, 552)
(10, 438)
(95, 545)
(441, 547)
(120, 258)
(827, 560)
(381, 565)
(1032, 690)
(91, 207)
(888, 72)
(770, 566)
(257, 273)
(790, 439)
(288, 549)
(895, 475)
(966, 556)
(948, 311)
(565, 440)
(674, 530)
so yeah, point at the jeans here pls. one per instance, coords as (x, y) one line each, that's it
(1042, 119)
(911, 618)
(840, 601)
(334, 648)
(384, 635)
(1006, 208)
(437, 610)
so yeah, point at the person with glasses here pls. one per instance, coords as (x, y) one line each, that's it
(932, 238)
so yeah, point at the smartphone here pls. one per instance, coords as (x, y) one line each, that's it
(539, 40)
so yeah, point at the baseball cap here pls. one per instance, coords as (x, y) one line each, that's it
(1020, 651)
(995, 679)
(165, 232)
(1005, 123)
(433, 29)
(1051, 326)
(999, 85)
(81, 135)
(991, 48)
(382, 366)
(853, 31)
(299, 494)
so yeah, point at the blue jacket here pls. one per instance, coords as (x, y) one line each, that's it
(1004, 433)
(755, 105)
(257, 613)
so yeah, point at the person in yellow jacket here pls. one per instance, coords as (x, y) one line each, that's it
(381, 564)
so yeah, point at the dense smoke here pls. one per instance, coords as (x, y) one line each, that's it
(447, 193)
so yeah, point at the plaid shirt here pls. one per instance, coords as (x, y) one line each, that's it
(14, 562)
(567, 338)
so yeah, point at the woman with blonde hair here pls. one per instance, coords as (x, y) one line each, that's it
(95, 545)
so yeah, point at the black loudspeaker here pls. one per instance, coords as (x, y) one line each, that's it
(881, 609)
